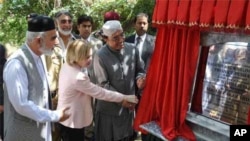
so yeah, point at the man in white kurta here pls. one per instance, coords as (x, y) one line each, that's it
(27, 100)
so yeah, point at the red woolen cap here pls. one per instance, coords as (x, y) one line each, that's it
(110, 15)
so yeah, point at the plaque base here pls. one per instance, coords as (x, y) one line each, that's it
(205, 129)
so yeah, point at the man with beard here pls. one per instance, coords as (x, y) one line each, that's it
(64, 25)
(27, 101)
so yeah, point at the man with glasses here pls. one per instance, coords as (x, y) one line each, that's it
(64, 24)
(117, 67)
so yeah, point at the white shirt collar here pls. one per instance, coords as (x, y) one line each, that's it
(62, 45)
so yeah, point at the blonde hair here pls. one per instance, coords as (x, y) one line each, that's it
(77, 51)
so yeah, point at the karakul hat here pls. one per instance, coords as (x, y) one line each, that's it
(110, 27)
(41, 23)
(31, 15)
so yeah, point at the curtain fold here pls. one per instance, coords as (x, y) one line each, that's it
(195, 11)
(159, 18)
(221, 12)
(172, 10)
(207, 14)
(167, 93)
(147, 110)
(247, 27)
(218, 15)
(183, 12)
(236, 15)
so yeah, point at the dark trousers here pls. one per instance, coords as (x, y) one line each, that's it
(149, 137)
(124, 139)
(56, 133)
(1, 114)
(1, 125)
(71, 134)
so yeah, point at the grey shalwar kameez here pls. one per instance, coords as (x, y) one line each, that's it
(117, 71)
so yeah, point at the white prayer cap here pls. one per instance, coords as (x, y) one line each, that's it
(110, 27)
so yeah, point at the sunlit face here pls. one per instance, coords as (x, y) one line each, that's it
(116, 40)
(47, 42)
(86, 61)
(64, 24)
(141, 25)
(85, 29)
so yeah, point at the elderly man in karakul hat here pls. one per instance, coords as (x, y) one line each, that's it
(108, 16)
(117, 67)
(27, 101)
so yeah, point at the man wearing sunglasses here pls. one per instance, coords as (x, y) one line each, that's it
(64, 24)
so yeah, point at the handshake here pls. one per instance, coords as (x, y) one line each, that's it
(130, 101)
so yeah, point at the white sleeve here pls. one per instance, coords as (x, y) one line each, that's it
(16, 81)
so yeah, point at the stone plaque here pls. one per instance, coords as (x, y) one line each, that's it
(226, 83)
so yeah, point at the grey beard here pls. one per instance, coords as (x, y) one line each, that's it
(65, 33)
(47, 52)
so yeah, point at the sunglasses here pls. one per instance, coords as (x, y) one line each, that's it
(65, 21)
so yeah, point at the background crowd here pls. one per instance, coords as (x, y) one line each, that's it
(87, 84)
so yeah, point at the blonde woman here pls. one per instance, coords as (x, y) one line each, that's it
(76, 90)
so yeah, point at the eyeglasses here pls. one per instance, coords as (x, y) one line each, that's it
(64, 21)
(118, 37)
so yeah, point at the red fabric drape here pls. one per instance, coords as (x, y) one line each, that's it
(160, 15)
(247, 27)
(194, 16)
(236, 15)
(219, 15)
(207, 14)
(172, 10)
(166, 96)
(183, 12)
(171, 73)
(221, 12)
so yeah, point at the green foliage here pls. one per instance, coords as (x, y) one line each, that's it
(13, 23)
